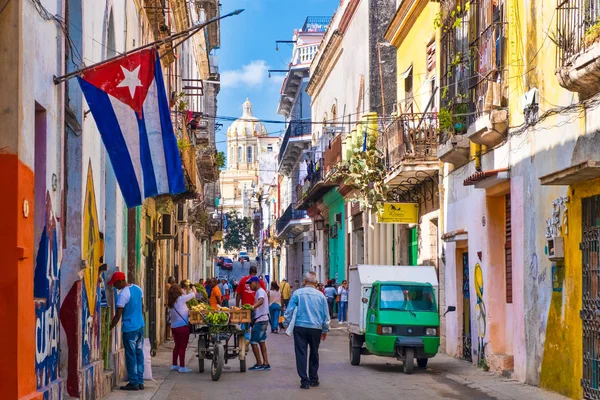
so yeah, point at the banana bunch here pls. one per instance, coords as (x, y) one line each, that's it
(247, 307)
(217, 318)
(200, 307)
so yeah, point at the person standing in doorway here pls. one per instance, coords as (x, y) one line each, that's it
(260, 320)
(343, 304)
(181, 324)
(275, 305)
(330, 293)
(286, 292)
(130, 307)
(310, 328)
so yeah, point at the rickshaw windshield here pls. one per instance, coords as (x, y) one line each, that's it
(407, 298)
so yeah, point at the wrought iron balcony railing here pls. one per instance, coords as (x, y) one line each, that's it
(290, 214)
(333, 155)
(294, 129)
(412, 137)
(574, 20)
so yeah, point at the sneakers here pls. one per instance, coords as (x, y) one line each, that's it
(184, 370)
(129, 386)
(305, 386)
(267, 367)
(257, 367)
(314, 384)
(174, 367)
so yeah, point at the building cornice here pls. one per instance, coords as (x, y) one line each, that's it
(404, 19)
(330, 55)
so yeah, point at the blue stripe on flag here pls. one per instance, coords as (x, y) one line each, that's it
(150, 188)
(109, 128)
(172, 157)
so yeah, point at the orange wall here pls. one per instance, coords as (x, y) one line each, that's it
(17, 311)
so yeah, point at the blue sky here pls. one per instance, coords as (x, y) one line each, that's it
(248, 51)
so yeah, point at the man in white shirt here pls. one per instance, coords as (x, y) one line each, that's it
(260, 318)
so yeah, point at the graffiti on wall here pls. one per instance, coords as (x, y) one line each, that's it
(46, 292)
(93, 246)
(555, 223)
(480, 312)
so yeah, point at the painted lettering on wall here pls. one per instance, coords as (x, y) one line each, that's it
(46, 292)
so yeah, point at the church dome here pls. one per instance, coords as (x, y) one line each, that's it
(247, 125)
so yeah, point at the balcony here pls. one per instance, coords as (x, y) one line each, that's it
(297, 138)
(205, 160)
(410, 143)
(292, 222)
(578, 49)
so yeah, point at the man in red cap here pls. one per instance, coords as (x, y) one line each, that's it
(130, 308)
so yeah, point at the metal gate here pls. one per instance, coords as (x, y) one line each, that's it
(466, 339)
(151, 295)
(590, 247)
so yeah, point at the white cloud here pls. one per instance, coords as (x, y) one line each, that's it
(252, 75)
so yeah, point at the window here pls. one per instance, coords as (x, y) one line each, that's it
(239, 155)
(407, 298)
(373, 300)
(408, 90)
(508, 251)
(249, 154)
(269, 148)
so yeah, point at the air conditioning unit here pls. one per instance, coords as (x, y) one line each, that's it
(164, 227)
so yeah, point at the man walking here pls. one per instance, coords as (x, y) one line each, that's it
(259, 329)
(130, 307)
(286, 292)
(310, 327)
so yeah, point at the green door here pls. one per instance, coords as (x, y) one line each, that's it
(413, 248)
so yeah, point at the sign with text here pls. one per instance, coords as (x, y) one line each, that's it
(399, 213)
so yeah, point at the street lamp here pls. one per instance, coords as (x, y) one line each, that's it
(319, 222)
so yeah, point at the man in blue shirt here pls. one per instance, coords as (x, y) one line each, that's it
(311, 324)
(130, 307)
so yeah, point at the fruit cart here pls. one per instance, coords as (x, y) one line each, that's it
(220, 338)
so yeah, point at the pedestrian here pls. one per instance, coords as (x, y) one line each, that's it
(225, 293)
(330, 293)
(245, 295)
(170, 282)
(130, 309)
(180, 324)
(321, 288)
(343, 303)
(208, 287)
(286, 292)
(275, 305)
(260, 321)
(311, 325)
(215, 294)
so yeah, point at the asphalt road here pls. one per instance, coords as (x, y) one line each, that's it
(239, 270)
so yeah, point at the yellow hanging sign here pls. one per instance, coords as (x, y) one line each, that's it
(399, 213)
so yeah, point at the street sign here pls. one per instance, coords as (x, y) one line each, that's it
(399, 213)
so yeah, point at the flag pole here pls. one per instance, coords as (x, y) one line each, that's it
(185, 34)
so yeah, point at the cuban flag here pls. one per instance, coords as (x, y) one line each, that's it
(128, 100)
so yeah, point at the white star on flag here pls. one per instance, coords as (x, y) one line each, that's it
(131, 79)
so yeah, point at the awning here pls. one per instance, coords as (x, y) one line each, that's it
(405, 74)
(486, 179)
(586, 171)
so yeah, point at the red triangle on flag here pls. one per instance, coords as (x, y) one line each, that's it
(127, 79)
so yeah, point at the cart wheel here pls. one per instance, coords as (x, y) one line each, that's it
(201, 345)
(242, 365)
(217, 362)
(242, 346)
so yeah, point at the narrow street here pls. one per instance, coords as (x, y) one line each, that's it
(445, 378)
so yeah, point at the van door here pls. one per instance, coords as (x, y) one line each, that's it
(371, 325)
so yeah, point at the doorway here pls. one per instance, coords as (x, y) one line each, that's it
(590, 249)
(151, 294)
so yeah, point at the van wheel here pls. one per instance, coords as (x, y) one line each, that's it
(422, 362)
(354, 354)
(409, 360)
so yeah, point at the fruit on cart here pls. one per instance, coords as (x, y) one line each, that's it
(247, 307)
(217, 318)
(201, 290)
(192, 303)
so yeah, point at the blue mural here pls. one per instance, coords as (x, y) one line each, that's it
(46, 292)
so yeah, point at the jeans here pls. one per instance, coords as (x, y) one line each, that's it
(304, 338)
(330, 301)
(133, 343)
(181, 336)
(343, 314)
(274, 313)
